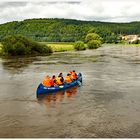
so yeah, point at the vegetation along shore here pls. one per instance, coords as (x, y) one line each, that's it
(43, 36)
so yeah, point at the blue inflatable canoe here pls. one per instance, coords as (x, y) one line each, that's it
(44, 90)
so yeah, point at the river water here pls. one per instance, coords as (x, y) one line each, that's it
(106, 105)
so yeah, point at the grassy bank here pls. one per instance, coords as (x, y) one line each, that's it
(126, 45)
(56, 46)
(60, 46)
(68, 46)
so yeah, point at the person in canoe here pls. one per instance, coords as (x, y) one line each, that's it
(68, 78)
(47, 81)
(60, 79)
(53, 81)
(74, 75)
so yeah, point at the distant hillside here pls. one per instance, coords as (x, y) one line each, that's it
(66, 30)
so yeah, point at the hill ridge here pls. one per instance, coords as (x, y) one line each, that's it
(66, 30)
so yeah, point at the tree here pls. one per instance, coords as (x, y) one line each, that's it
(92, 36)
(93, 30)
(93, 40)
(94, 44)
(79, 45)
(20, 45)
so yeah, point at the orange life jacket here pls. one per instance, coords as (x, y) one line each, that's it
(58, 81)
(68, 79)
(52, 82)
(74, 75)
(47, 82)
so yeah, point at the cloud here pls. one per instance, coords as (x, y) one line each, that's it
(101, 10)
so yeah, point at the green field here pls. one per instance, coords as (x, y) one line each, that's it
(60, 46)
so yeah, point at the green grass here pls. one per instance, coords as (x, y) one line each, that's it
(60, 46)
(65, 43)
(129, 45)
(133, 45)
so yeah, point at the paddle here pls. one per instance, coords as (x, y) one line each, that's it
(79, 83)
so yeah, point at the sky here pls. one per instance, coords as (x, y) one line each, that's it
(91, 10)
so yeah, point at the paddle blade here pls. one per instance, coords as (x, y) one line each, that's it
(79, 83)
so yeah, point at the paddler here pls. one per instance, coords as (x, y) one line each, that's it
(47, 81)
(68, 78)
(53, 81)
(60, 79)
(74, 75)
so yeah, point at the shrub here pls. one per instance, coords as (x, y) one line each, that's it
(92, 36)
(79, 45)
(19, 49)
(94, 44)
(20, 45)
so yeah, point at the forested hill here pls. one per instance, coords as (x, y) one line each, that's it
(67, 30)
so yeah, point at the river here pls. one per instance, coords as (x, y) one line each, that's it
(106, 105)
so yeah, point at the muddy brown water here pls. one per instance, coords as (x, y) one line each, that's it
(106, 105)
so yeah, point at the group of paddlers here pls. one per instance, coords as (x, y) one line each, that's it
(59, 80)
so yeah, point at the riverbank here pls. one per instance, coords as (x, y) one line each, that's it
(60, 46)
(129, 45)
(56, 46)
(69, 46)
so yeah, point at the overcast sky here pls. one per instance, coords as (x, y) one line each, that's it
(95, 10)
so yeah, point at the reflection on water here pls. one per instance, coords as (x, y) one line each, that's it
(17, 64)
(57, 97)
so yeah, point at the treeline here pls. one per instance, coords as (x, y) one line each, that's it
(67, 30)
